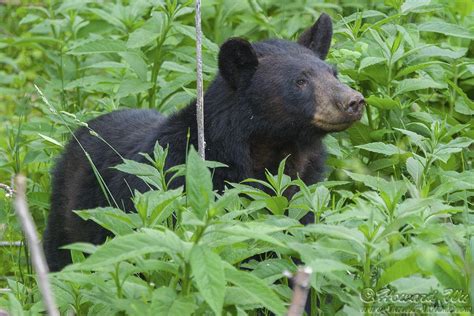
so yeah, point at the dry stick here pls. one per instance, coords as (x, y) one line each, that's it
(7, 189)
(200, 97)
(300, 291)
(37, 255)
(11, 244)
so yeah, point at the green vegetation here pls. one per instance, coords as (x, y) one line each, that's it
(396, 212)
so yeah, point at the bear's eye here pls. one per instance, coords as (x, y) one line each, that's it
(301, 82)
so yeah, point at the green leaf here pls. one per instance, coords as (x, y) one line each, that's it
(360, 133)
(99, 46)
(208, 272)
(90, 82)
(132, 246)
(412, 5)
(382, 148)
(255, 230)
(400, 269)
(172, 66)
(141, 37)
(82, 247)
(447, 29)
(147, 173)
(415, 169)
(408, 85)
(328, 265)
(419, 66)
(136, 60)
(132, 86)
(112, 219)
(29, 18)
(198, 184)
(108, 17)
(382, 103)
(370, 61)
(167, 303)
(50, 140)
(334, 231)
(277, 204)
(443, 151)
(156, 206)
(256, 288)
(435, 51)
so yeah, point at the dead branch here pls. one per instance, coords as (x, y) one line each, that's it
(200, 94)
(34, 245)
(7, 189)
(301, 286)
(11, 243)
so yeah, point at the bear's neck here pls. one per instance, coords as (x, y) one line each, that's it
(226, 118)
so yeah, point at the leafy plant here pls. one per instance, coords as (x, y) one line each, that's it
(393, 216)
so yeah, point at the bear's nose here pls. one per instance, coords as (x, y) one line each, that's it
(355, 104)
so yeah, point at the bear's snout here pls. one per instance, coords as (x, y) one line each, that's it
(354, 104)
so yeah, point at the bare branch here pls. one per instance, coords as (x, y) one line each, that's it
(3, 313)
(11, 243)
(301, 288)
(37, 255)
(200, 93)
(7, 189)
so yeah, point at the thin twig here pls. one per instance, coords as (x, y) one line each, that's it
(301, 286)
(11, 243)
(200, 96)
(7, 189)
(37, 255)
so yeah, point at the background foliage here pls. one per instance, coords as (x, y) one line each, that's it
(395, 214)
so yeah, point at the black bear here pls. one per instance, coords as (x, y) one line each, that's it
(269, 100)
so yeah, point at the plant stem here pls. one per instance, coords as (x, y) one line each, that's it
(157, 62)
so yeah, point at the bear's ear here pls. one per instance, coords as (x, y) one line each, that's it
(318, 37)
(237, 62)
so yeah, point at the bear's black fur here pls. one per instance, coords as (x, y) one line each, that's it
(269, 100)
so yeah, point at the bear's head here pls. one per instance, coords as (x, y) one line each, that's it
(288, 83)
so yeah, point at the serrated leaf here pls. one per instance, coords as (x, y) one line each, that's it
(132, 246)
(370, 61)
(328, 265)
(132, 86)
(198, 184)
(400, 269)
(277, 204)
(255, 231)
(29, 18)
(136, 60)
(411, 5)
(408, 85)
(141, 37)
(435, 51)
(167, 303)
(99, 47)
(256, 288)
(382, 148)
(415, 169)
(147, 173)
(336, 232)
(445, 28)
(112, 219)
(382, 103)
(208, 272)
